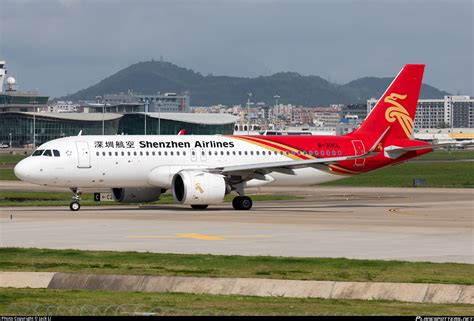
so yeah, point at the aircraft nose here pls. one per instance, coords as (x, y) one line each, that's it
(22, 170)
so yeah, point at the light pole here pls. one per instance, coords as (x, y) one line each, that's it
(34, 129)
(276, 106)
(159, 117)
(248, 113)
(146, 108)
(103, 119)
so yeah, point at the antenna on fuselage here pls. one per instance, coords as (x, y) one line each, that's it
(80, 133)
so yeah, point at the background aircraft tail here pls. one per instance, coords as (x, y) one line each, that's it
(396, 108)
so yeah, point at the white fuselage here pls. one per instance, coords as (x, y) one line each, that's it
(127, 161)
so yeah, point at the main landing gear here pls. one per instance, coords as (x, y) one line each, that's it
(242, 203)
(76, 198)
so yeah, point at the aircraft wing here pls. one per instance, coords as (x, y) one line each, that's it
(285, 167)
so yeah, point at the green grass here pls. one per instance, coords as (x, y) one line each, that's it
(83, 302)
(448, 155)
(12, 199)
(10, 159)
(6, 174)
(450, 174)
(329, 269)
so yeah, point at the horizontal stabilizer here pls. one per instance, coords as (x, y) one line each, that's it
(396, 151)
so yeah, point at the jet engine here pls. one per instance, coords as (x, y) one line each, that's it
(199, 188)
(137, 195)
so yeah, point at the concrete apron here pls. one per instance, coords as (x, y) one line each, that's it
(408, 292)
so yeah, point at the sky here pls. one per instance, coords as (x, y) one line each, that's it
(62, 46)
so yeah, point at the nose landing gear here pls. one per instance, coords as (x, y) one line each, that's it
(76, 198)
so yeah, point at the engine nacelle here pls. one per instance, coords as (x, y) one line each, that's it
(136, 195)
(198, 188)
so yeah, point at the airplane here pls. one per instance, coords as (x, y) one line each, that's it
(201, 170)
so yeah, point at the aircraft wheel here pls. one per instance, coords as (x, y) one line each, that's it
(74, 206)
(235, 203)
(246, 203)
(199, 207)
(242, 203)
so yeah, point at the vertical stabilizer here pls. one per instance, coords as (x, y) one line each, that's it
(396, 108)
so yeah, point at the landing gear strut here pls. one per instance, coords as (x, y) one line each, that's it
(242, 203)
(76, 198)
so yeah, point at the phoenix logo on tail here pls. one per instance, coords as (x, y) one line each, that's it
(398, 112)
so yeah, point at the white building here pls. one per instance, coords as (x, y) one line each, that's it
(449, 112)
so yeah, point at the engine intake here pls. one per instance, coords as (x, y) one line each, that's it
(137, 195)
(198, 188)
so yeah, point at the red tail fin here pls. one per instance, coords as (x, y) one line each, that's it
(396, 108)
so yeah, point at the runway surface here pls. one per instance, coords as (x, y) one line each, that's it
(367, 223)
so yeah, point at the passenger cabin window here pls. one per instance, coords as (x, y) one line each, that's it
(47, 153)
(38, 152)
(56, 153)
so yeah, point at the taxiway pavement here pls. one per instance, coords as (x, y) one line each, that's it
(424, 224)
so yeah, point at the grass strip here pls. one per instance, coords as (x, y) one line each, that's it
(82, 302)
(448, 155)
(10, 159)
(329, 269)
(6, 174)
(451, 174)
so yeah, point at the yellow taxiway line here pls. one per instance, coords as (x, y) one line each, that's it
(197, 236)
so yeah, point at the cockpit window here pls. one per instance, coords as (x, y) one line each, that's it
(56, 153)
(38, 152)
(47, 153)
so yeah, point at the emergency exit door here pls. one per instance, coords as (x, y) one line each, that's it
(359, 149)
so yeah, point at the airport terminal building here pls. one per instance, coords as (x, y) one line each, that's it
(17, 128)
(26, 122)
(30, 129)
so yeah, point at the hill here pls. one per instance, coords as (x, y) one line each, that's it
(153, 76)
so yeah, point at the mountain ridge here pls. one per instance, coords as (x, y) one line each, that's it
(149, 77)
